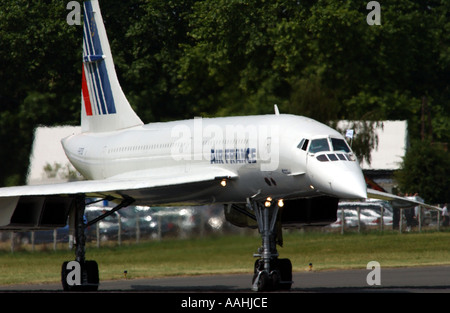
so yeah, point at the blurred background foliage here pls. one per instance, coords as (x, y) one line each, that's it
(184, 58)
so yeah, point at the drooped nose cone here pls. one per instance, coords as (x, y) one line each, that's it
(350, 185)
(339, 179)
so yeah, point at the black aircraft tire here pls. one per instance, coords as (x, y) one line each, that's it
(285, 267)
(264, 281)
(89, 270)
(64, 273)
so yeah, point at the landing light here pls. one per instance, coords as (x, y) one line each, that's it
(280, 203)
(223, 182)
(312, 187)
(268, 202)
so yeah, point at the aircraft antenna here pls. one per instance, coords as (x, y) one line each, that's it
(277, 112)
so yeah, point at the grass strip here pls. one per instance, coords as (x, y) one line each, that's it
(233, 254)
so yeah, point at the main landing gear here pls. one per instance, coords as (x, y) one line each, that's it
(82, 274)
(270, 273)
(79, 275)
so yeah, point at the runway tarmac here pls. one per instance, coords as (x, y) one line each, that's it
(435, 279)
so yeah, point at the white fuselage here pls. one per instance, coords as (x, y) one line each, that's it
(262, 150)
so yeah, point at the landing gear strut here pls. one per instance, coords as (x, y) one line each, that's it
(82, 275)
(270, 273)
(79, 275)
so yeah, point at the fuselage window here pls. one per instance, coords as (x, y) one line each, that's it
(318, 145)
(339, 145)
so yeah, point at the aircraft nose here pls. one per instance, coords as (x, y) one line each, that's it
(350, 185)
(344, 182)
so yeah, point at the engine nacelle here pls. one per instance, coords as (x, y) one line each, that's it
(34, 212)
(317, 211)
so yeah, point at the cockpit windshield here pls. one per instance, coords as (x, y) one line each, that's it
(318, 145)
(340, 145)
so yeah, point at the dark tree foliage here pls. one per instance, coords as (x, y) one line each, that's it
(425, 170)
(185, 58)
(40, 78)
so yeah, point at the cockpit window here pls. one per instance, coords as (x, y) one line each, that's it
(303, 144)
(318, 145)
(339, 145)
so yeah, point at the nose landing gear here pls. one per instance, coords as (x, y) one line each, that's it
(270, 272)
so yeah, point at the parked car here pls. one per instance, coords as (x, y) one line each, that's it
(129, 218)
(351, 219)
(387, 219)
(369, 213)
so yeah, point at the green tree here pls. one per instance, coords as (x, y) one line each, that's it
(40, 57)
(228, 64)
(178, 59)
(425, 170)
(145, 39)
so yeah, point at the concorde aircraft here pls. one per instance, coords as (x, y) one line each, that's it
(269, 171)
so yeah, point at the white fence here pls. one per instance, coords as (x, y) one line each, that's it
(135, 224)
(131, 224)
(418, 218)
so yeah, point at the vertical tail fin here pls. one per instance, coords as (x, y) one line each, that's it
(104, 105)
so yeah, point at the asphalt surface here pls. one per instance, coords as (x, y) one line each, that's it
(391, 280)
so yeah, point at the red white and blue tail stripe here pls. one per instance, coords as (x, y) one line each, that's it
(104, 106)
(97, 94)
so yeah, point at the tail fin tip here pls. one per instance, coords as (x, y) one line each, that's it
(104, 105)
